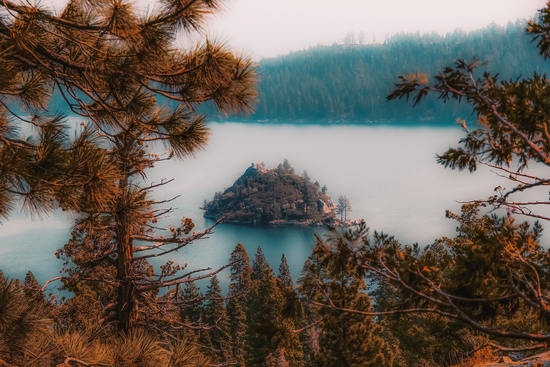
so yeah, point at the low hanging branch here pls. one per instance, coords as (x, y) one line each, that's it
(110, 67)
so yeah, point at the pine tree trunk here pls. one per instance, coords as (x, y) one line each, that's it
(126, 291)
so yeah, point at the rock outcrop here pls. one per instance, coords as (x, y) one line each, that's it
(273, 196)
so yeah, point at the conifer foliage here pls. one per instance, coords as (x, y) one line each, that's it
(218, 337)
(493, 276)
(239, 287)
(331, 277)
(116, 67)
(31, 336)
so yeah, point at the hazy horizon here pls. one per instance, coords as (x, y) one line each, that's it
(269, 28)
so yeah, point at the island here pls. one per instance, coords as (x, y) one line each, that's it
(274, 196)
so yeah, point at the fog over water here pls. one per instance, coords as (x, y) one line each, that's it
(388, 172)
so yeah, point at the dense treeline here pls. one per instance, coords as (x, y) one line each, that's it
(350, 82)
(324, 319)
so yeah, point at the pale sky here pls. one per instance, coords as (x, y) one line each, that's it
(266, 28)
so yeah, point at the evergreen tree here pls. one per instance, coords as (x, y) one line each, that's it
(287, 166)
(25, 325)
(192, 310)
(333, 277)
(284, 273)
(116, 70)
(31, 286)
(362, 38)
(271, 320)
(239, 330)
(241, 272)
(343, 207)
(262, 312)
(218, 337)
(239, 288)
(308, 192)
(259, 265)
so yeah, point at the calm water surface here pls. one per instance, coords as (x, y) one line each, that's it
(389, 174)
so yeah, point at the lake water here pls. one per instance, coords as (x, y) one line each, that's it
(389, 174)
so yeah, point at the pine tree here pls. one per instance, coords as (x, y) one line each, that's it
(25, 325)
(259, 265)
(308, 193)
(284, 273)
(218, 337)
(117, 71)
(343, 339)
(239, 330)
(241, 272)
(265, 301)
(286, 165)
(270, 319)
(343, 207)
(192, 308)
(31, 286)
(239, 288)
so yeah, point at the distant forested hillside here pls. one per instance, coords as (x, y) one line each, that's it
(349, 83)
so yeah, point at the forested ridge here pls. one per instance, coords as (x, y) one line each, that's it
(350, 82)
(345, 83)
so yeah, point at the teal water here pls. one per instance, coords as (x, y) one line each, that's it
(389, 173)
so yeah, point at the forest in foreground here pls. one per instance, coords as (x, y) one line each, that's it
(363, 298)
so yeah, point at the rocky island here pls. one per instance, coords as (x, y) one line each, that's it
(273, 196)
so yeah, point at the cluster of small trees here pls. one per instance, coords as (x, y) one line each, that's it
(261, 195)
(343, 207)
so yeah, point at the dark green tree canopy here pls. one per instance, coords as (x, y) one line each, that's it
(333, 281)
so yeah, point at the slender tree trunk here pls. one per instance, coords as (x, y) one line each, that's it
(126, 291)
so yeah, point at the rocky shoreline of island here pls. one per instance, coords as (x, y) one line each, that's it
(313, 223)
(301, 223)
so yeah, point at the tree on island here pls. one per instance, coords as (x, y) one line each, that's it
(343, 207)
(495, 270)
(116, 70)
